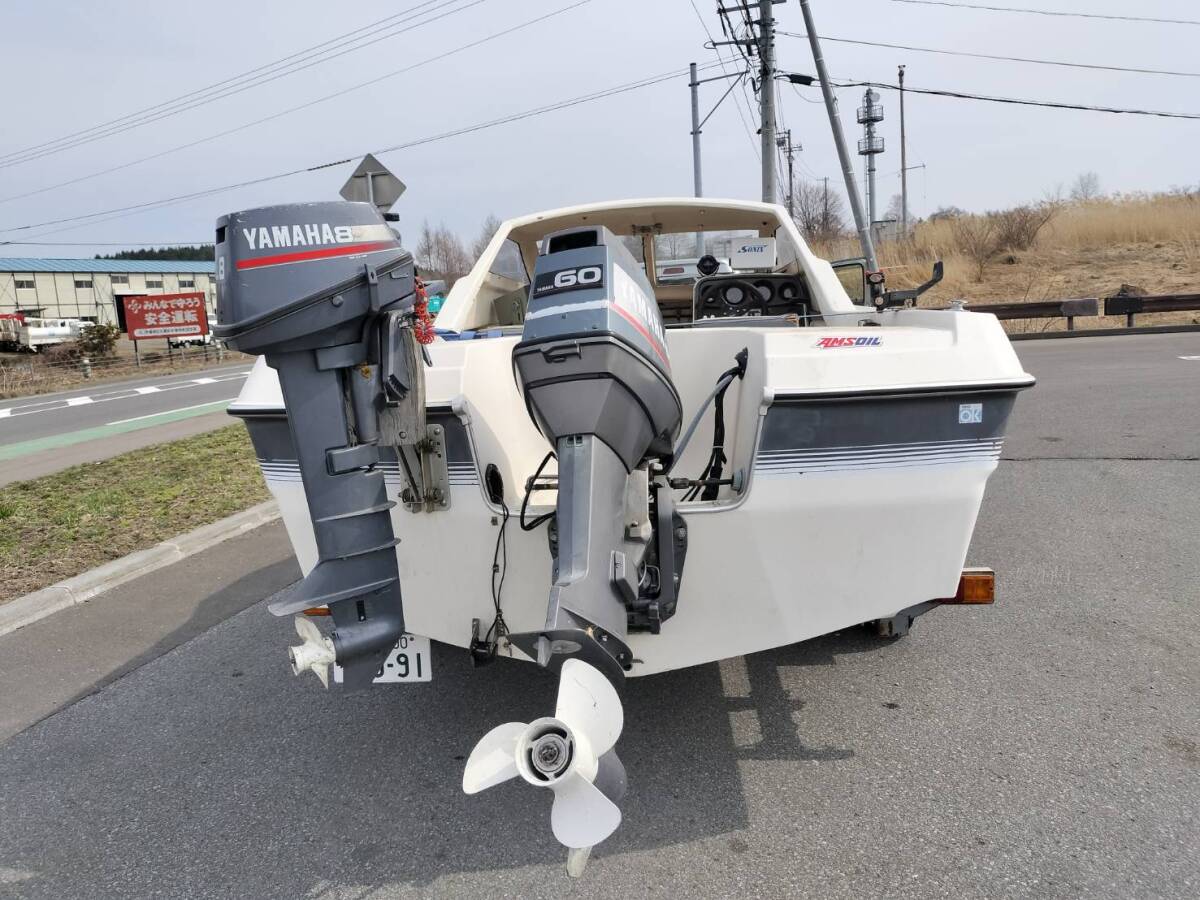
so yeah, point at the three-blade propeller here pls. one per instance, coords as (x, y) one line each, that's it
(565, 753)
(316, 654)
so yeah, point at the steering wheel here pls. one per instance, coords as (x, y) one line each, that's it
(753, 299)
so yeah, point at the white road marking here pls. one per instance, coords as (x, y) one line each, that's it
(57, 405)
(1191, 358)
(167, 412)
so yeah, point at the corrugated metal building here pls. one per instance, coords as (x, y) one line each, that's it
(90, 288)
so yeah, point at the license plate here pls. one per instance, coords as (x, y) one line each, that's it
(409, 660)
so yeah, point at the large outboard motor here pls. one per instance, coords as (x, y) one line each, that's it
(593, 366)
(325, 292)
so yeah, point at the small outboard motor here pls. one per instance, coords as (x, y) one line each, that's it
(325, 292)
(593, 365)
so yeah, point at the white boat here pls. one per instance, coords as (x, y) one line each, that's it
(843, 488)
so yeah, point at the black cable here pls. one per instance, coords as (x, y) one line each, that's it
(285, 112)
(529, 490)
(1049, 12)
(499, 627)
(215, 85)
(118, 212)
(1017, 101)
(237, 89)
(736, 105)
(1018, 59)
(717, 459)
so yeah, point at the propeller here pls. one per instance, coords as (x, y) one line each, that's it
(315, 654)
(570, 754)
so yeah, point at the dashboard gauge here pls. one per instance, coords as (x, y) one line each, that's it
(789, 291)
(734, 295)
(765, 290)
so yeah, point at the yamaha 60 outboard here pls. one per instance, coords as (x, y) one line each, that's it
(325, 292)
(593, 366)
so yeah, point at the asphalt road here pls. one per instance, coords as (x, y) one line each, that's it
(1045, 747)
(49, 432)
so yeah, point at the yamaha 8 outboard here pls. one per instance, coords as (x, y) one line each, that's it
(593, 366)
(325, 292)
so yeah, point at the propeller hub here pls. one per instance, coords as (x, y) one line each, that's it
(551, 754)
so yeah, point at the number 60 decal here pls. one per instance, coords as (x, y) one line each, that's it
(572, 277)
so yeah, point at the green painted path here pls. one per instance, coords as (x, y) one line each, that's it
(53, 442)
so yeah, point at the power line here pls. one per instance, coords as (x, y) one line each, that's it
(1018, 101)
(190, 94)
(119, 212)
(277, 115)
(132, 244)
(236, 88)
(724, 70)
(1049, 12)
(1019, 59)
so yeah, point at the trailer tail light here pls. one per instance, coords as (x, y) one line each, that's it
(324, 610)
(977, 585)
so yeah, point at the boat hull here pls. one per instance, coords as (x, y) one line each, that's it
(857, 505)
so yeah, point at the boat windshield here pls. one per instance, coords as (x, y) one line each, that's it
(676, 254)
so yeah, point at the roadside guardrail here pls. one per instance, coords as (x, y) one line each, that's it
(1125, 305)
(1043, 309)
(1129, 307)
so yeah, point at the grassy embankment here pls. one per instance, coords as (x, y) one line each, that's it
(1084, 250)
(64, 524)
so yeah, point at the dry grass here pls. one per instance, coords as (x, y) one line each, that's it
(1085, 250)
(63, 524)
(27, 374)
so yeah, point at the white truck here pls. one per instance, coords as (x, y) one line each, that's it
(30, 334)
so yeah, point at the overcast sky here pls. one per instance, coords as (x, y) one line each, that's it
(68, 66)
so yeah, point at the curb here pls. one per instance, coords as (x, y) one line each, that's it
(89, 585)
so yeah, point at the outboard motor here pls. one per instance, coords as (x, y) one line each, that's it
(325, 292)
(593, 366)
(592, 363)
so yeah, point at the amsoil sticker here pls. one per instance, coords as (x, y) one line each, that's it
(828, 343)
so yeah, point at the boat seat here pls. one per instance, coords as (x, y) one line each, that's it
(509, 308)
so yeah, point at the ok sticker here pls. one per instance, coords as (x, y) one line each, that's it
(970, 413)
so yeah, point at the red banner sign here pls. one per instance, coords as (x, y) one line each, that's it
(165, 316)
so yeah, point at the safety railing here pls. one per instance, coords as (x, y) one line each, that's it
(1042, 309)
(1119, 305)
(1129, 307)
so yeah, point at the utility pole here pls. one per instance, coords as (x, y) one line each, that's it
(869, 114)
(699, 187)
(785, 141)
(766, 55)
(903, 164)
(835, 124)
(698, 124)
(825, 215)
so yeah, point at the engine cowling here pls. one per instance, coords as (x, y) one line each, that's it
(593, 366)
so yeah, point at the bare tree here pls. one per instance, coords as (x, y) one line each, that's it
(818, 211)
(1017, 228)
(441, 254)
(674, 245)
(977, 238)
(946, 212)
(1086, 187)
(487, 231)
(895, 210)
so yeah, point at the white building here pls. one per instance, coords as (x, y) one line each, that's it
(91, 289)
